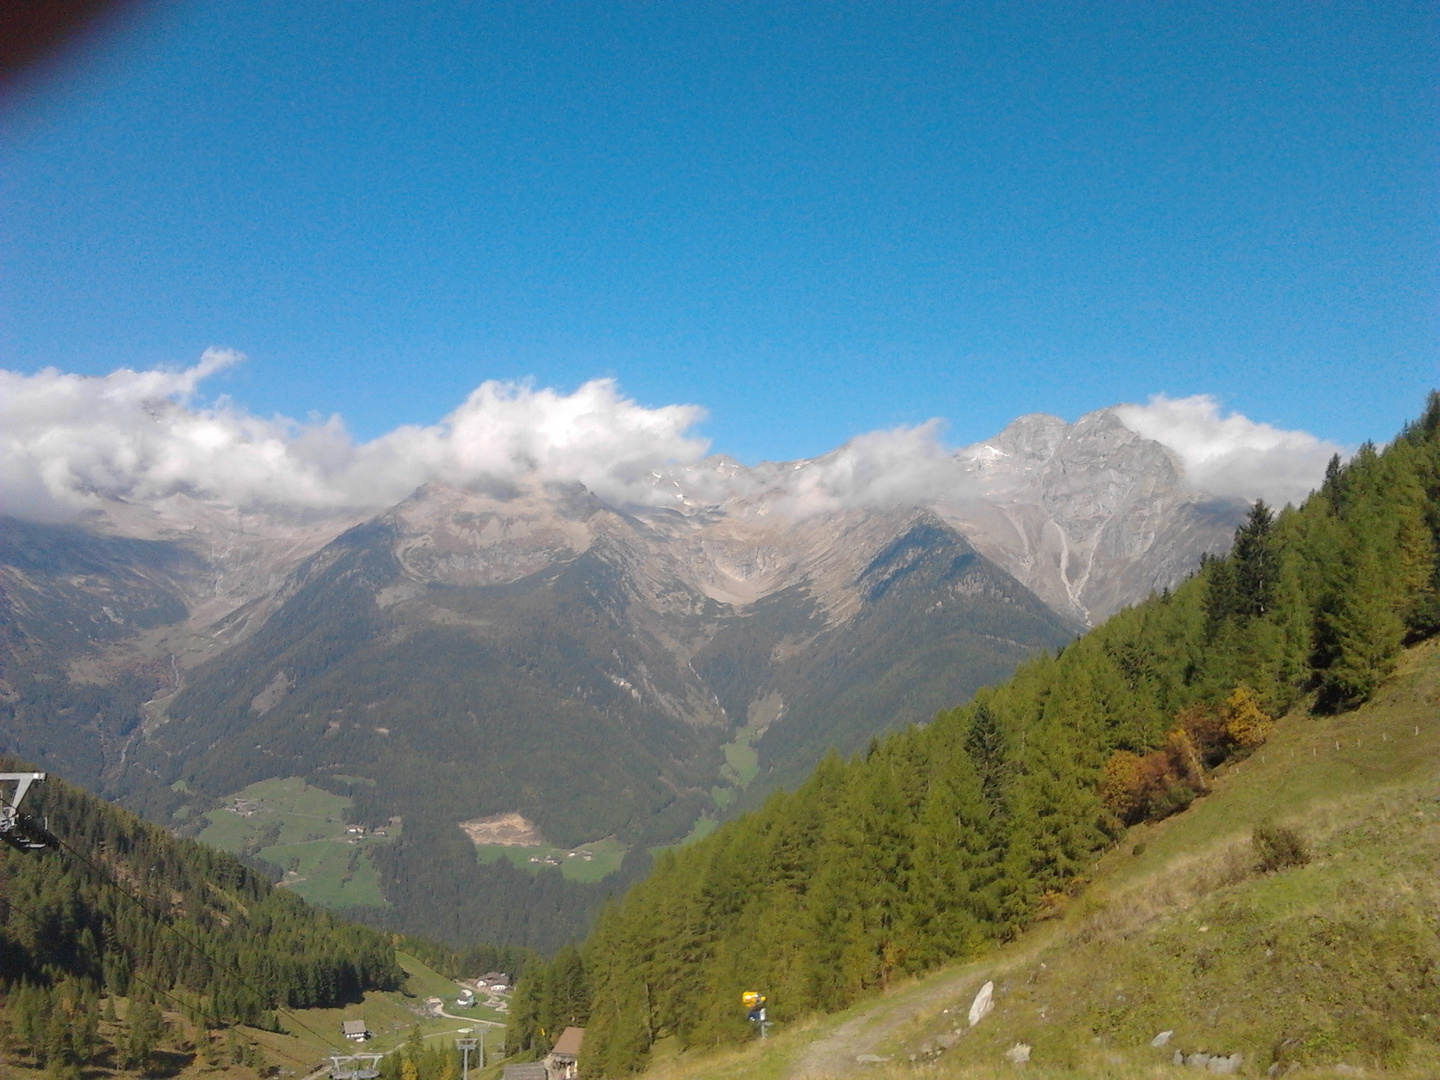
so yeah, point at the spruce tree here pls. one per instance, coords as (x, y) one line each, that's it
(988, 752)
(1221, 594)
(1367, 633)
(144, 1027)
(1255, 563)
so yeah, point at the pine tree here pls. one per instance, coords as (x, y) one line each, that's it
(1293, 620)
(144, 1027)
(952, 856)
(1221, 595)
(55, 1049)
(1333, 486)
(570, 989)
(988, 752)
(1367, 633)
(1255, 567)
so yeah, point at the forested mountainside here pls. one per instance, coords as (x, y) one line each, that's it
(942, 838)
(572, 695)
(554, 684)
(124, 909)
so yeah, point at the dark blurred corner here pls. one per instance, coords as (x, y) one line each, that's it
(38, 35)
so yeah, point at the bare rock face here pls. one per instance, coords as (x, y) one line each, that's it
(1090, 516)
(491, 536)
(238, 563)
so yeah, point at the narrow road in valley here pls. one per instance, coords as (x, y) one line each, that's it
(471, 1019)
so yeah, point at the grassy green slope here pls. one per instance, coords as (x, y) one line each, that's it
(301, 829)
(1315, 970)
(605, 858)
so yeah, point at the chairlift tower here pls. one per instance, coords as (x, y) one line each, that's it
(465, 1046)
(20, 830)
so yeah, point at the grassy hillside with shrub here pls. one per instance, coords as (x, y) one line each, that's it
(1324, 963)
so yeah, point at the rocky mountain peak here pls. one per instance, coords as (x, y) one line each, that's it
(479, 535)
(1034, 437)
(1091, 516)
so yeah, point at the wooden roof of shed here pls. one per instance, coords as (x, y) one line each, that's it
(569, 1042)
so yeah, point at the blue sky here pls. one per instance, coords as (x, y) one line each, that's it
(813, 220)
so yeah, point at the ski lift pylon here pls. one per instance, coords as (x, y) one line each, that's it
(18, 829)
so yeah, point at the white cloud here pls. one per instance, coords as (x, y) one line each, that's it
(68, 440)
(1232, 455)
(875, 470)
(507, 431)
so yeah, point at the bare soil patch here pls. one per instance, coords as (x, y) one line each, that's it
(511, 830)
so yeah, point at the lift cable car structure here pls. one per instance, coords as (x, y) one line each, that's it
(465, 1046)
(18, 829)
(354, 1066)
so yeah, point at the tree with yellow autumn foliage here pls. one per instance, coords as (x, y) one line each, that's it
(1245, 722)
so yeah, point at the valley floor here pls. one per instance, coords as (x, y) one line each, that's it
(312, 1035)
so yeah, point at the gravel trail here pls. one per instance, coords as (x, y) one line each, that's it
(836, 1056)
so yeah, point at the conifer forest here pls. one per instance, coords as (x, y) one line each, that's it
(125, 910)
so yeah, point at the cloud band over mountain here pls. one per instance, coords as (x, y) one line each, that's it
(68, 441)
(1232, 455)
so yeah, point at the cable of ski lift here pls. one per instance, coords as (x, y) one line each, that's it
(184, 1006)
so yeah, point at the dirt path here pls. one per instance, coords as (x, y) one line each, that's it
(839, 1054)
(842, 1053)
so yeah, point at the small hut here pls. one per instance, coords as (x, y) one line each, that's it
(560, 1063)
